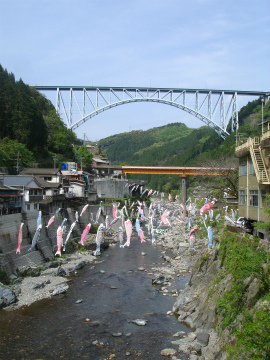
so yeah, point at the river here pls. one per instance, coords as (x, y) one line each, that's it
(113, 292)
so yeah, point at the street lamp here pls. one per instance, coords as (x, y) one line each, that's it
(262, 114)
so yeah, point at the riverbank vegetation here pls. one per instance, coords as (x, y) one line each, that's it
(244, 306)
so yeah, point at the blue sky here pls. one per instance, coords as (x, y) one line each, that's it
(169, 43)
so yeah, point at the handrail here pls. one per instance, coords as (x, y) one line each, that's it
(254, 160)
(259, 173)
(265, 170)
(266, 135)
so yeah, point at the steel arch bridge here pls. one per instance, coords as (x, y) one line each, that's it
(213, 107)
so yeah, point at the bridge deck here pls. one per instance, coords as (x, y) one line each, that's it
(182, 171)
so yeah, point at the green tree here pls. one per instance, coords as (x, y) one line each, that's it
(12, 151)
(265, 225)
(60, 139)
(86, 157)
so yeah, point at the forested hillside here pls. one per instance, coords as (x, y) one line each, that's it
(30, 125)
(177, 145)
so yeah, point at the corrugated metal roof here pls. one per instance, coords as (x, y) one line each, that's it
(40, 171)
(46, 184)
(19, 180)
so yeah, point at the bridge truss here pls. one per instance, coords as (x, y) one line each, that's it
(216, 108)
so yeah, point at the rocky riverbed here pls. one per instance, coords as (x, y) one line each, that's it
(52, 279)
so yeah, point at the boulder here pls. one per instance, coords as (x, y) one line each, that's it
(203, 338)
(7, 297)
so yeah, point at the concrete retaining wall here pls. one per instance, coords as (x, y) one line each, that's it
(108, 188)
(47, 244)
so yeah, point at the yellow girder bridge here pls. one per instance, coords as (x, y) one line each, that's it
(170, 170)
(183, 172)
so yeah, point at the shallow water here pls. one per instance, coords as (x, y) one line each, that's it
(58, 328)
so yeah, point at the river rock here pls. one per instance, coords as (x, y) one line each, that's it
(203, 338)
(159, 280)
(7, 297)
(117, 334)
(41, 284)
(29, 271)
(60, 289)
(196, 347)
(139, 322)
(168, 352)
(80, 265)
(61, 271)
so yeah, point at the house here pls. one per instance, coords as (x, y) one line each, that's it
(50, 175)
(90, 188)
(10, 199)
(27, 186)
(51, 191)
(98, 161)
(93, 149)
(254, 177)
(73, 183)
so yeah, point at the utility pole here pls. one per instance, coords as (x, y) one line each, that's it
(81, 162)
(17, 166)
(262, 114)
(54, 158)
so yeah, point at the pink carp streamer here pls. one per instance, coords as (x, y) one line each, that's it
(206, 207)
(84, 208)
(141, 236)
(182, 207)
(114, 211)
(50, 221)
(164, 218)
(128, 227)
(19, 240)
(84, 234)
(192, 237)
(59, 240)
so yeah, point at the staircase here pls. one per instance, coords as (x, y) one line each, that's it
(259, 165)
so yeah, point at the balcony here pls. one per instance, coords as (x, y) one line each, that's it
(244, 148)
(35, 197)
(265, 139)
(51, 198)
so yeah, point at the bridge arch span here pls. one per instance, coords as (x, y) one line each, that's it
(223, 133)
(216, 108)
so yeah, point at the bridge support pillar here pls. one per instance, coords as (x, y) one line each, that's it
(184, 190)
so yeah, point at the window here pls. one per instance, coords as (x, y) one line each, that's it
(28, 207)
(263, 194)
(36, 206)
(243, 168)
(253, 198)
(242, 197)
(251, 167)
